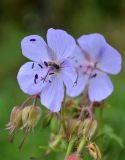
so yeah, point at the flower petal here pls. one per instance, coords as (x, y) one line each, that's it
(77, 89)
(100, 87)
(52, 95)
(60, 42)
(35, 48)
(77, 58)
(29, 78)
(68, 74)
(91, 44)
(109, 60)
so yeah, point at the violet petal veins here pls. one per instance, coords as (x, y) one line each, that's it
(50, 68)
(93, 59)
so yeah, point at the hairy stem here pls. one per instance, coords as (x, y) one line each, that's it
(26, 101)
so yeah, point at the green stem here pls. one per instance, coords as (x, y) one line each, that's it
(70, 146)
(63, 112)
(81, 145)
(54, 144)
(101, 118)
(35, 100)
(25, 135)
(26, 102)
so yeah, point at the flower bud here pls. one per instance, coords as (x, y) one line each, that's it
(68, 102)
(92, 129)
(86, 125)
(73, 157)
(31, 116)
(55, 124)
(15, 119)
(72, 127)
(94, 151)
(88, 128)
(46, 119)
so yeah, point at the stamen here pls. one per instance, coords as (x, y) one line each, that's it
(32, 65)
(33, 40)
(40, 66)
(75, 83)
(94, 75)
(80, 66)
(46, 64)
(48, 73)
(36, 77)
(56, 66)
(43, 79)
(51, 73)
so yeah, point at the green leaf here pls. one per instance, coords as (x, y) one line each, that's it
(108, 131)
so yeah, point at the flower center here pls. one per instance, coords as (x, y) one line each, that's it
(54, 65)
(89, 69)
(49, 68)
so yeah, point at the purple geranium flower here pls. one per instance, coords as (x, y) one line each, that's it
(93, 59)
(50, 68)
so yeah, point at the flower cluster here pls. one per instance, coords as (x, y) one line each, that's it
(64, 64)
(59, 70)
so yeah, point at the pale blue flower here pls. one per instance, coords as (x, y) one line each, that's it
(93, 59)
(50, 68)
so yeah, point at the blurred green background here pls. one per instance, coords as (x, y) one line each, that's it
(19, 18)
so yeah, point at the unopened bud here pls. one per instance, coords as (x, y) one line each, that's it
(15, 119)
(94, 151)
(73, 157)
(72, 127)
(86, 125)
(98, 104)
(46, 119)
(55, 124)
(69, 102)
(31, 116)
(92, 129)
(89, 128)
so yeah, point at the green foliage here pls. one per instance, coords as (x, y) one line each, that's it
(109, 133)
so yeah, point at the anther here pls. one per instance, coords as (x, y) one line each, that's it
(51, 73)
(33, 40)
(80, 66)
(40, 66)
(94, 75)
(32, 65)
(36, 77)
(46, 64)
